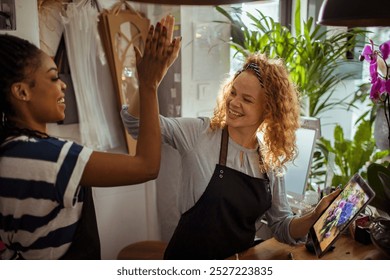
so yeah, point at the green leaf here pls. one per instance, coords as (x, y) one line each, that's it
(297, 21)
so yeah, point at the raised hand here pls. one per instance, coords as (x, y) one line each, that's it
(159, 54)
(169, 23)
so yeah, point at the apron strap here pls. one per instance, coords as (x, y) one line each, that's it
(224, 146)
(261, 162)
(224, 150)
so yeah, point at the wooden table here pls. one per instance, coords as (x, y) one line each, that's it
(346, 248)
(143, 250)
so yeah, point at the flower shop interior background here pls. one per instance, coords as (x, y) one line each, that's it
(148, 211)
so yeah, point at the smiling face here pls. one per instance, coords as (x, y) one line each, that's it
(245, 103)
(41, 96)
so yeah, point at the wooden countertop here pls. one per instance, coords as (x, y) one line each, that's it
(346, 248)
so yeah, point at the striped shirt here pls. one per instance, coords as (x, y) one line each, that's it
(40, 197)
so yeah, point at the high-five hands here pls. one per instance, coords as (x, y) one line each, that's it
(169, 23)
(159, 54)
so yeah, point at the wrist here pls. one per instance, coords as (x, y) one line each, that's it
(147, 87)
(314, 215)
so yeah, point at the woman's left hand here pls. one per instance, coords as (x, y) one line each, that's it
(325, 202)
(300, 225)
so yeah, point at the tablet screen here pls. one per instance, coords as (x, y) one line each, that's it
(341, 212)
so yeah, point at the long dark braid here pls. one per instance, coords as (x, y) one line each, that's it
(18, 58)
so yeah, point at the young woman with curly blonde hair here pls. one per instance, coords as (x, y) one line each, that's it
(232, 165)
(280, 116)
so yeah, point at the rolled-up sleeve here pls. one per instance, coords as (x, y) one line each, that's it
(280, 215)
(180, 133)
(131, 123)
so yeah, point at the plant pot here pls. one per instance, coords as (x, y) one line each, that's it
(380, 234)
(381, 129)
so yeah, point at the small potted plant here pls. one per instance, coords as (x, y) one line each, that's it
(378, 175)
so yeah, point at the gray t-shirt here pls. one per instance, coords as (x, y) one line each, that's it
(199, 148)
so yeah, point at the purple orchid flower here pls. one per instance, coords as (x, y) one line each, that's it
(375, 91)
(368, 54)
(379, 73)
(386, 86)
(374, 72)
(385, 49)
(379, 85)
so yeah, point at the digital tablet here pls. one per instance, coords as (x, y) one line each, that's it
(341, 212)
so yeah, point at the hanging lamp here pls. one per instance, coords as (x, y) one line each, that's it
(355, 13)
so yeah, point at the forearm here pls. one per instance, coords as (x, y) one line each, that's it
(300, 226)
(159, 54)
(149, 139)
(134, 104)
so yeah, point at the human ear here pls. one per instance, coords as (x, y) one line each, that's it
(19, 91)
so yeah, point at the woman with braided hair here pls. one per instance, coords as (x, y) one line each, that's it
(230, 177)
(46, 207)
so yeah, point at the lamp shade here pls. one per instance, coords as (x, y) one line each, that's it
(193, 2)
(355, 13)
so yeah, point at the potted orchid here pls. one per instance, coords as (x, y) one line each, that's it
(380, 84)
(378, 175)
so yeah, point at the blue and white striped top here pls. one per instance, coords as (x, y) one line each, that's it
(40, 197)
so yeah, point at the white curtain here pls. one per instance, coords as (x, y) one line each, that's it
(100, 126)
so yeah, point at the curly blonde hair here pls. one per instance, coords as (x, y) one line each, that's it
(282, 111)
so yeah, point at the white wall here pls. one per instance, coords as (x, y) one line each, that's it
(26, 21)
(344, 118)
(205, 59)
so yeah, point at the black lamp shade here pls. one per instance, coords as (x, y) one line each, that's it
(355, 13)
(193, 2)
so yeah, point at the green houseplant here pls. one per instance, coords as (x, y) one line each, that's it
(378, 176)
(351, 156)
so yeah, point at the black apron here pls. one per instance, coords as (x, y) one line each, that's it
(86, 241)
(222, 221)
